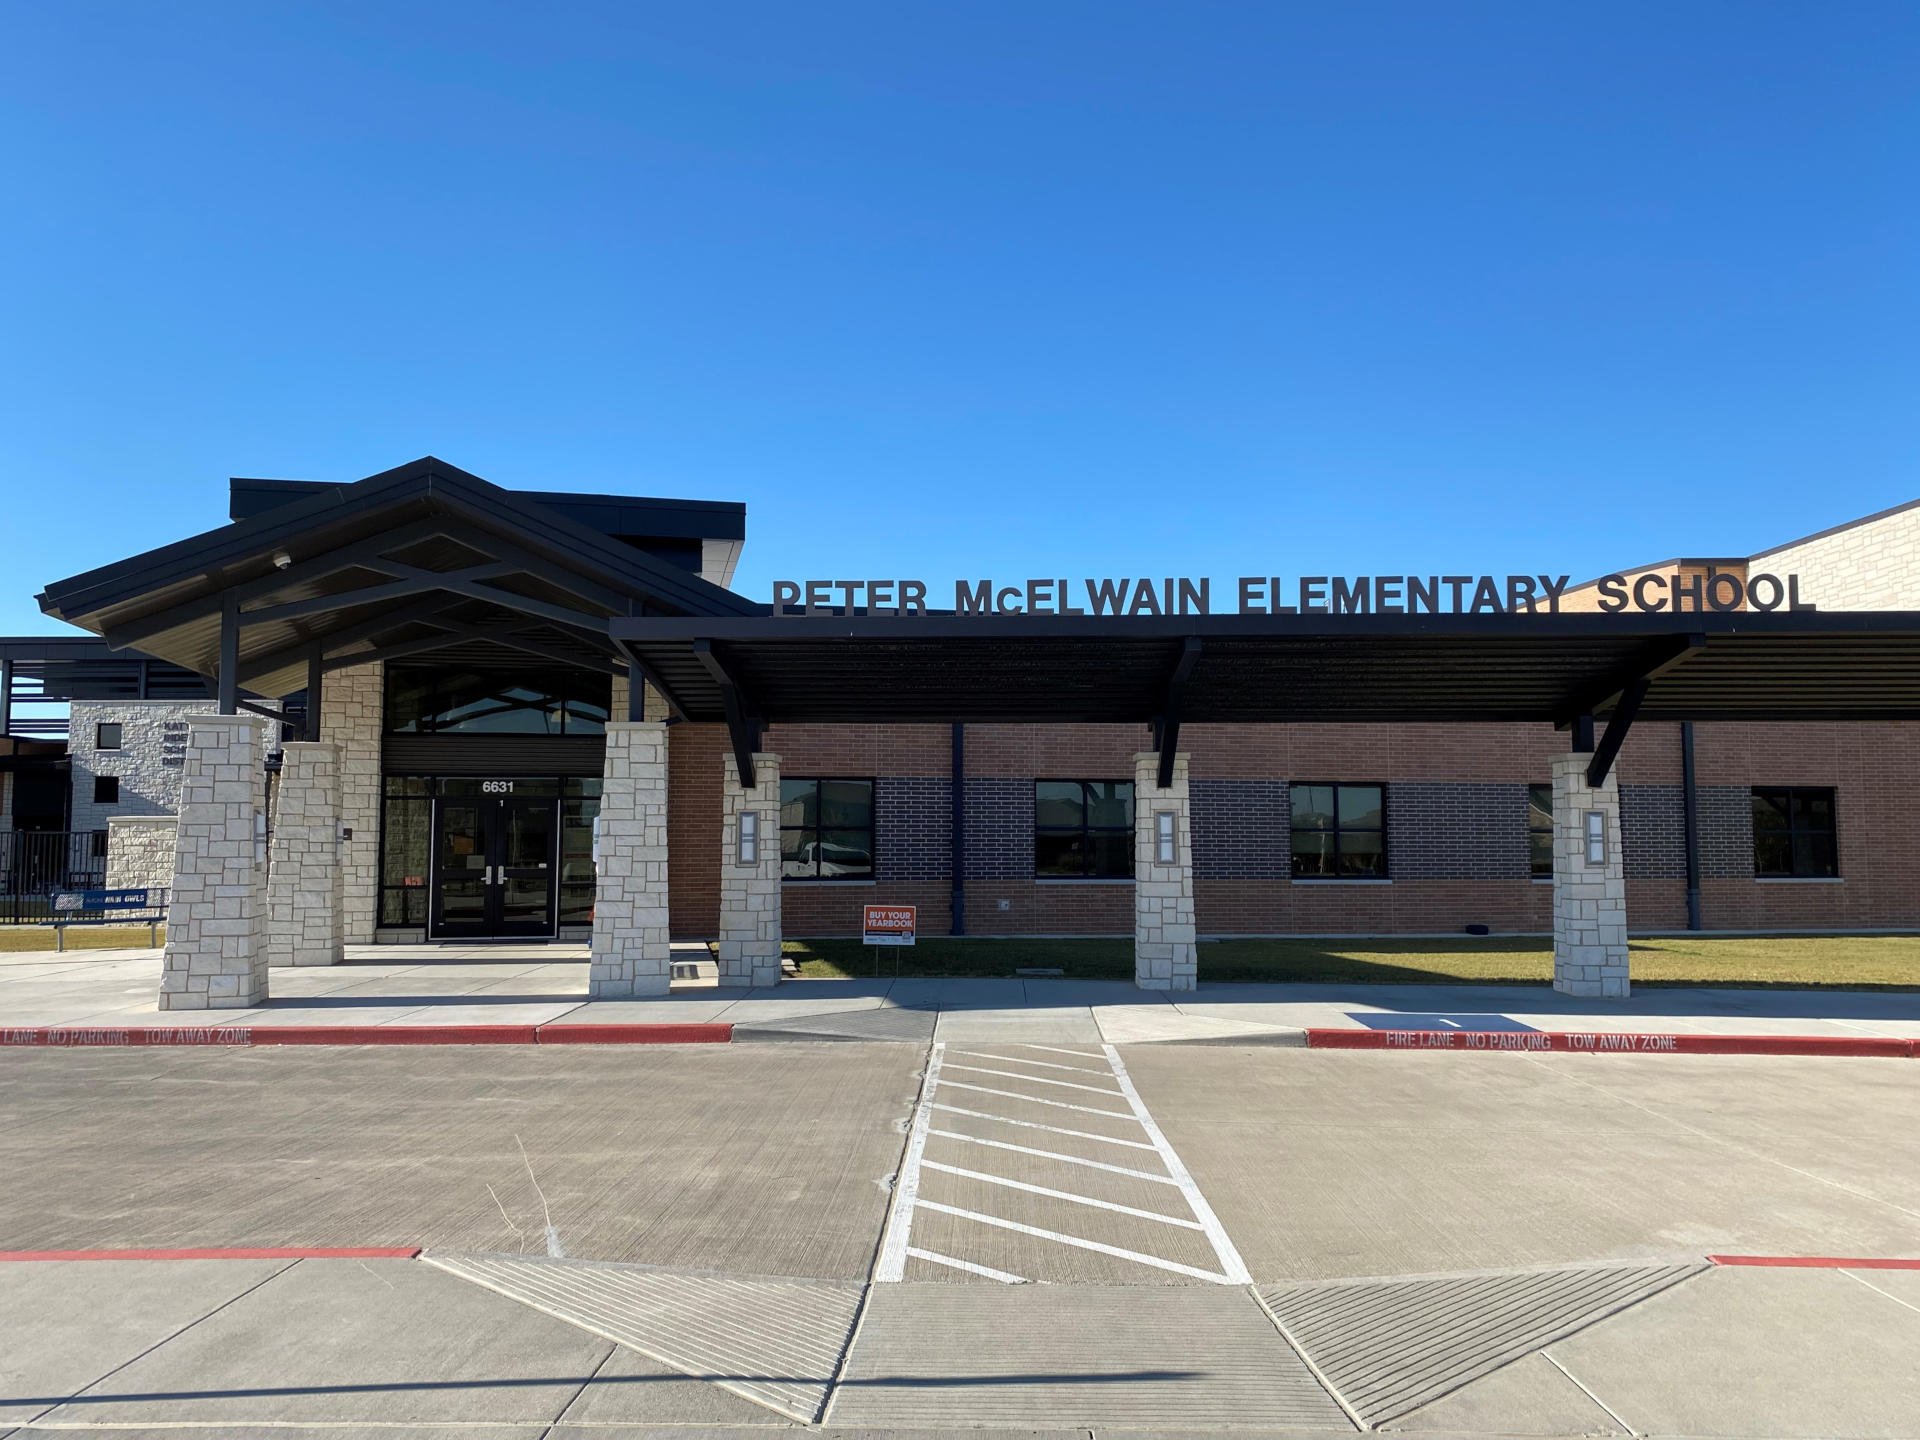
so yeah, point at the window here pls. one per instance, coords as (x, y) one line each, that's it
(1083, 829)
(1793, 833)
(106, 789)
(1339, 832)
(537, 700)
(107, 735)
(826, 829)
(1540, 828)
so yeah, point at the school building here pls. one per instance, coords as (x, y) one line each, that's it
(420, 706)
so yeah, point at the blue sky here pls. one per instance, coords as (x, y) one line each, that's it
(974, 289)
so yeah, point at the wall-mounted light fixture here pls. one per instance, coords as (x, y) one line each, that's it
(1166, 849)
(1596, 838)
(749, 837)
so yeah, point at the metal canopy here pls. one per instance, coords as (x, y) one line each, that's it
(1247, 669)
(424, 560)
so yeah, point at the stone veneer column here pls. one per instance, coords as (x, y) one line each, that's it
(749, 947)
(305, 882)
(1589, 901)
(631, 954)
(1165, 956)
(216, 957)
(352, 715)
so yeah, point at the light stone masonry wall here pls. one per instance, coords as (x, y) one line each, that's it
(216, 956)
(153, 748)
(749, 940)
(1165, 955)
(1589, 901)
(305, 881)
(1871, 566)
(140, 852)
(631, 951)
(352, 716)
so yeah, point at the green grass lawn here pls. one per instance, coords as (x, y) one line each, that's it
(79, 937)
(1879, 961)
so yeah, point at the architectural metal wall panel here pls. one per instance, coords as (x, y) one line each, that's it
(1141, 1356)
(1390, 1346)
(775, 1342)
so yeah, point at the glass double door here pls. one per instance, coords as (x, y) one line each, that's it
(493, 867)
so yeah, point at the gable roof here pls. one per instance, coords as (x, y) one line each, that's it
(364, 545)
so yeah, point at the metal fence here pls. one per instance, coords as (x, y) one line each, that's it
(36, 865)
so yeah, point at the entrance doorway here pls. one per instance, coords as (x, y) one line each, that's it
(493, 867)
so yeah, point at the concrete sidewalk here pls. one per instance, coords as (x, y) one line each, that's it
(546, 985)
(399, 1347)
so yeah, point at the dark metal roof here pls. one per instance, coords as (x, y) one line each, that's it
(624, 515)
(1251, 669)
(510, 565)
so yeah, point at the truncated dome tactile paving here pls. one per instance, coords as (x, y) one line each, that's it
(1390, 1346)
(1187, 1357)
(777, 1342)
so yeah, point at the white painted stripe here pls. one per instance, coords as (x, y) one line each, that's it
(1058, 1050)
(1036, 1100)
(893, 1249)
(1050, 1129)
(1039, 1080)
(1042, 1064)
(1004, 1277)
(1234, 1268)
(1055, 1155)
(1067, 1195)
(1074, 1240)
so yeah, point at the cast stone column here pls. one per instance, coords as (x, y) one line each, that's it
(1165, 954)
(216, 956)
(749, 948)
(631, 952)
(306, 882)
(1589, 897)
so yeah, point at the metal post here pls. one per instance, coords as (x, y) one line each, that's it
(146, 680)
(1690, 809)
(6, 698)
(316, 681)
(229, 672)
(1583, 734)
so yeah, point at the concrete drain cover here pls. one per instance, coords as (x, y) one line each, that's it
(1390, 1346)
(1185, 1357)
(775, 1342)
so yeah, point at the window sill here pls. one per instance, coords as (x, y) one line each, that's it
(1799, 879)
(826, 882)
(1541, 879)
(1301, 880)
(1083, 880)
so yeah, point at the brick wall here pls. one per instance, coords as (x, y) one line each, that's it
(1456, 815)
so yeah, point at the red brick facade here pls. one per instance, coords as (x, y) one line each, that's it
(1455, 819)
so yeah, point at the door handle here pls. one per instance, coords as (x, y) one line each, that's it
(486, 875)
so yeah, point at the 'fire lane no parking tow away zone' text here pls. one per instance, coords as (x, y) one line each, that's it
(1041, 1163)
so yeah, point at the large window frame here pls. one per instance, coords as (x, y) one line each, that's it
(1790, 824)
(1105, 848)
(812, 834)
(574, 702)
(1540, 831)
(1332, 836)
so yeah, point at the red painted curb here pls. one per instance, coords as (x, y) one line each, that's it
(392, 1034)
(688, 1033)
(78, 1036)
(1611, 1042)
(1815, 1262)
(277, 1252)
